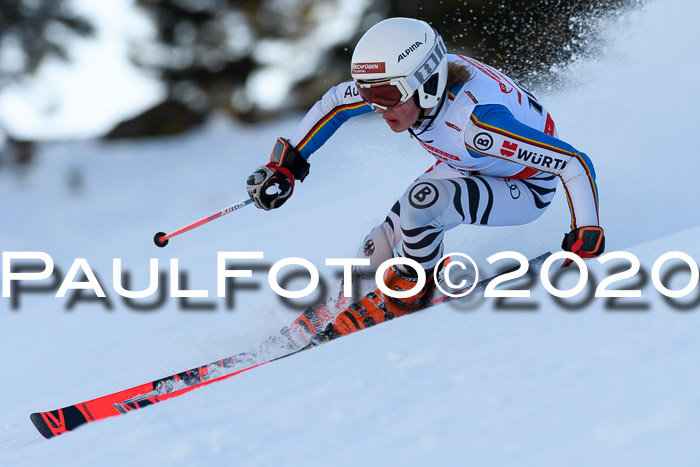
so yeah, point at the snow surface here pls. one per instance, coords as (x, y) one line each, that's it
(447, 386)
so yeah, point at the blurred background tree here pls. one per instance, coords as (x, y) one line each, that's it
(32, 31)
(256, 59)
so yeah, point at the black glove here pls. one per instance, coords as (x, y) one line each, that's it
(271, 185)
(587, 242)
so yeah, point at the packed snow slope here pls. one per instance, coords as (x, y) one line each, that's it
(456, 385)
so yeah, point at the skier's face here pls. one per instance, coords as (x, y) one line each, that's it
(401, 117)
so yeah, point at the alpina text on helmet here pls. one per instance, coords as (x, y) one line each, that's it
(408, 51)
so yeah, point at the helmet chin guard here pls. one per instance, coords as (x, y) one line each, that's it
(402, 52)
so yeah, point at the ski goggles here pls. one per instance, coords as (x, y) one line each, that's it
(384, 94)
(392, 92)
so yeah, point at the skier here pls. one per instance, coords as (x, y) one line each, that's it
(490, 136)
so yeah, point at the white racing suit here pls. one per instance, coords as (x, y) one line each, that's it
(498, 161)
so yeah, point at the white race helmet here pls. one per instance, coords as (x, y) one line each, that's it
(398, 57)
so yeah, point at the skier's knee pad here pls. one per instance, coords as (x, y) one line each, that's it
(377, 247)
(424, 203)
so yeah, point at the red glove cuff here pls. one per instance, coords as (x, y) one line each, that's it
(287, 173)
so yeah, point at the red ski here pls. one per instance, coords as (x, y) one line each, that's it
(296, 338)
(57, 422)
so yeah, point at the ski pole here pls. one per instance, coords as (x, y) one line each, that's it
(161, 238)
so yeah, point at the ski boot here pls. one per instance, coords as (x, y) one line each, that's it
(376, 307)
